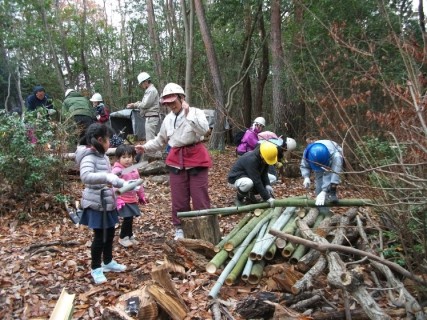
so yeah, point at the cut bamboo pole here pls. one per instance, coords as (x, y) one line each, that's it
(256, 273)
(242, 234)
(268, 239)
(217, 261)
(218, 284)
(301, 250)
(231, 278)
(271, 252)
(289, 202)
(236, 229)
(289, 228)
(263, 246)
(247, 270)
(260, 235)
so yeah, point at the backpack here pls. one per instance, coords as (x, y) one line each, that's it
(237, 139)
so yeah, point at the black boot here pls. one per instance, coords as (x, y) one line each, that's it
(333, 193)
(240, 198)
(252, 198)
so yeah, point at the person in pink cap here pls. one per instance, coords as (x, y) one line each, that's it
(188, 160)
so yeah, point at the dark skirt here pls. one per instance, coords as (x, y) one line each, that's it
(93, 218)
(130, 210)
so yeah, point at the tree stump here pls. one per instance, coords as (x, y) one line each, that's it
(204, 228)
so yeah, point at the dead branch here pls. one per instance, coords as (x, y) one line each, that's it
(324, 247)
(53, 243)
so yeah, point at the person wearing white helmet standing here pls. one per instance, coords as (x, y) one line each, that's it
(149, 107)
(188, 160)
(250, 138)
(102, 112)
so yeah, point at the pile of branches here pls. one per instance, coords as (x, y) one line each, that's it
(309, 244)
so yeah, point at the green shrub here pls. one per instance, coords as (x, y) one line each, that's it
(24, 166)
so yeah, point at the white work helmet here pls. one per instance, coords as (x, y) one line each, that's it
(96, 97)
(172, 88)
(142, 77)
(260, 120)
(68, 92)
(290, 144)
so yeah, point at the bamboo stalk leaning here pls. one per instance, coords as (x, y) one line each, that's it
(260, 235)
(288, 228)
(247, 270)
(301, 249)
(268, 239)
(242, 234)
(240, 264)
(236, 229)
(217, 261)
(256, 272)
(213, 293)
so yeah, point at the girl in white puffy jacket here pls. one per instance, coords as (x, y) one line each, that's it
(98, 200)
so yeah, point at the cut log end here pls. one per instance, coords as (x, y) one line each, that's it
(211, 268)
(228, 247)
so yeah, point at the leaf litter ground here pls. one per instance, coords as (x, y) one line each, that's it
(46, 253)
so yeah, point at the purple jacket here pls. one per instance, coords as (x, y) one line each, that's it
(248, 142)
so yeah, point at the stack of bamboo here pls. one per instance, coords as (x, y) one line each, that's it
(250, 245)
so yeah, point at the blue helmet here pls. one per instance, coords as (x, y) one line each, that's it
(317, 156)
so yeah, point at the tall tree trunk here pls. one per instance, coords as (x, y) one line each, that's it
(422, 24)
(188, 20)
(85, 67)
(278, 66)
(63, 47)
(263, 68)
(58, 69)
(217, 140)
(155, 43)
(247, 88)
(297, 124)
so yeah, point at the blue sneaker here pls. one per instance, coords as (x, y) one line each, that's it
(113, 266)
(98, 275)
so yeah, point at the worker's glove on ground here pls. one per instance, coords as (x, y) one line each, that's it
(114, 180)
(270, 190)
(119, 203)
(320, 199)
(306, 183)
(271, 202)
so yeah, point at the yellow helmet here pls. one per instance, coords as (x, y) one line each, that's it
(268, 152)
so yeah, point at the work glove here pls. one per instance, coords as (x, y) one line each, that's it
(270, 190)
(98, 117)
(306, 183)
(129, 182)
(320, 199)
(114, 180)
(51, 111)
(119, 203)
(271, 202)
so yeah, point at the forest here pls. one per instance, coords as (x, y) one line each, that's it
(351, 71)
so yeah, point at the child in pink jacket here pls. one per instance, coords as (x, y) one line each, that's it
(127, 203)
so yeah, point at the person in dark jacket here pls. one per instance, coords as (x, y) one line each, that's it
(39, 98)
(249, 174)
(80, 110)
